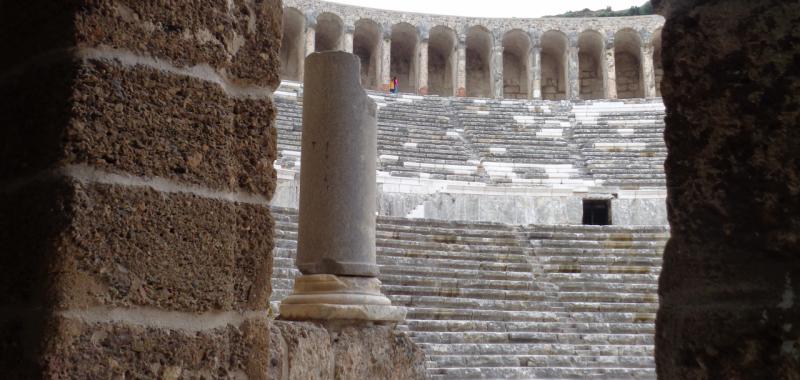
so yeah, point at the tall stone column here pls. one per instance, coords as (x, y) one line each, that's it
(423, 67)
(573, 71)
(336, 232)
(611, 72)
(386, 62)
(461, 70)
(347, 41)
(496, 69)
(536, 71)
(311, 38)
(648, 75)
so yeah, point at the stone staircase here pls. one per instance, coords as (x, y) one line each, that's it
(489, 300)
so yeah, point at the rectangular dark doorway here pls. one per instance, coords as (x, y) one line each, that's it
(597, 212)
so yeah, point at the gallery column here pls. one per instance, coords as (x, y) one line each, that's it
(461, 70)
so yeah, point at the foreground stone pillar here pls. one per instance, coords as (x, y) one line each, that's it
(536, 69)
(461, 70)
(336, 232)
(648, 76)
(132, 240)
(422, 86)
(573, 71)
(730, 285)
(386, 61)
(496, 70)
(611, 71)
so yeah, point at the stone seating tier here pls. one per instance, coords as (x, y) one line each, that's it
(538, 143)
(491, 300)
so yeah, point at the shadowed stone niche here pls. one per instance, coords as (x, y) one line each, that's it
(730, 285)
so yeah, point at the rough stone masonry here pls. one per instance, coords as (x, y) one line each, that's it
(731, 275)
(137, 143)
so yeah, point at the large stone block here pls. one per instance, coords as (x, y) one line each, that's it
(93, 350)
(146, 122)
(311, 350)
(126, 246)
(141, 121)
(240, 38)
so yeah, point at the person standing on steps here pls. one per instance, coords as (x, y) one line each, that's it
(392, 85)
(396, 85)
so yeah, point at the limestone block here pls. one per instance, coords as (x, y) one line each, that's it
(83, 350)
(306, 350)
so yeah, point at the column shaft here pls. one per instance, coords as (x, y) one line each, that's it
(461, 70)
(497, 72)
(648, 75)
(386, 61)
(611, 73)
(536, 71)
(348, 42)
(422, 86)
(311, 35)
(573, 76)
(336, 233)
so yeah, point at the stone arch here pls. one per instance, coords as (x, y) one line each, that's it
(330, 32)
(367, 46)
(628, 62)
(658, 69)
(516, 54)
(479, 43)
(292, 44)
(591, 63)
(404, 63)
(554, 65)
(442, 43)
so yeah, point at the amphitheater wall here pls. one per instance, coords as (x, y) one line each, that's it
(478, 67)
(502, 205)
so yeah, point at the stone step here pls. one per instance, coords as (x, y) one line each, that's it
(542, 373)
(494, 326)
(530, 337)
(537, 349)
(470, 293)
(546, 361)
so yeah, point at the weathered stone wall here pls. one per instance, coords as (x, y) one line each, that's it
(731, 275)
(314, 350)
(137, 143)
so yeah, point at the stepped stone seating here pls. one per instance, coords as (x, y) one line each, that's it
(538, 144)
(522, 142)
(622, 144)
(490, 300)
(289, 122)
(417, 138)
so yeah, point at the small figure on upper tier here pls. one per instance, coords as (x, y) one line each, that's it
(393, 85)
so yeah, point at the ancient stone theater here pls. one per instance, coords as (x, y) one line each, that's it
(237, 189)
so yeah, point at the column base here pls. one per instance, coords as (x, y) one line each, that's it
(332, 297)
